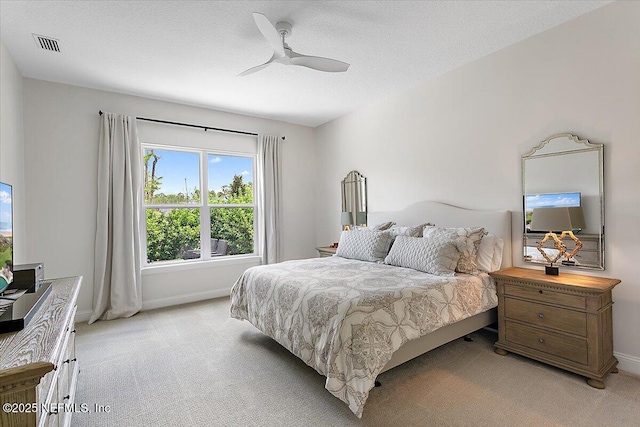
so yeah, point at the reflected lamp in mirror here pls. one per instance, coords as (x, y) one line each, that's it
(346, 221)
(361, 219)
(563, 220)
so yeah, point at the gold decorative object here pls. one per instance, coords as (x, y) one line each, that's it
(558, 219)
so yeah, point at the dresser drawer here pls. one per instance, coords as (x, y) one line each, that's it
(536, 314)
(544, 295)
(573, 349)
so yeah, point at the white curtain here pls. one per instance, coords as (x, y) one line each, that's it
(270, 175)
(117, 285)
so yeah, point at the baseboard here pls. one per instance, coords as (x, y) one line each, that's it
(83, 316)
(184, 299)
(628, 363)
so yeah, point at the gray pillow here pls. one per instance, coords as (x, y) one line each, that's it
(364, 245)
(467, 241)
(413, 230)
(378, 227)
(437, 255)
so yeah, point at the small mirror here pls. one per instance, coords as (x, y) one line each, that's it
(354, 200)
(564, 171)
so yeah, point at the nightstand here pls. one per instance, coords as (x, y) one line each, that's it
(563, 320)
(326, 251)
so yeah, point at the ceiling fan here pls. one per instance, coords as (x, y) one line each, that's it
(282, 53)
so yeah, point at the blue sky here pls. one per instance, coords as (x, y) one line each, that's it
(551, 200)
(5, 207)
(175, 166)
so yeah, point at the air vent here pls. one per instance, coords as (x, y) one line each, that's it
(47, 43)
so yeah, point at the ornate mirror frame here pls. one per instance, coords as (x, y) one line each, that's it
(562, 164)
(354, 197)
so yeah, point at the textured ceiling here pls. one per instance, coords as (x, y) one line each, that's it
(191, 51)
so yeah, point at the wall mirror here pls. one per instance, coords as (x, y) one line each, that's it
(565, 171)
(354, 199)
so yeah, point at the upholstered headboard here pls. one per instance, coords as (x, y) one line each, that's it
(445, 215)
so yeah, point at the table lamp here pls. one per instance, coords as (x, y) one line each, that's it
(346, 220)
(361, 219)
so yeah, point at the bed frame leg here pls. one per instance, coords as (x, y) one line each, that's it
(378, 383)
(468, 338)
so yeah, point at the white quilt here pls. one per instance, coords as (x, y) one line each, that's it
(345, 318)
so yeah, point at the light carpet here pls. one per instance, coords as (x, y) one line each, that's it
(192, 365)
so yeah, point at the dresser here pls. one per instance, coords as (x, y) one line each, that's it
(38, 366)
(326, 251)
(565, 320)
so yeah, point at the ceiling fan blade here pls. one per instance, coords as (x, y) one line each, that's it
(254, 69)
(270, 33)
(319, 63)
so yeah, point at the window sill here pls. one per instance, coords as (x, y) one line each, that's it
(169, 267)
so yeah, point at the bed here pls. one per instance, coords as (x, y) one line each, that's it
(352, 319)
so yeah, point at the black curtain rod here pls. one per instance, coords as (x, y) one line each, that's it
(206, 128)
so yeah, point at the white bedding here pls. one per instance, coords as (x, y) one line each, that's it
(345, 318)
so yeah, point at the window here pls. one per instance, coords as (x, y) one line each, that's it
(198, 204)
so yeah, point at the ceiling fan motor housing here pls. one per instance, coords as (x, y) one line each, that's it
(283, 28)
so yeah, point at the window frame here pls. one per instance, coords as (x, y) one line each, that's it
(203, 205)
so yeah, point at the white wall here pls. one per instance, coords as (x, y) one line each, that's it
(61, 140)
(459, 139)
(11, 146)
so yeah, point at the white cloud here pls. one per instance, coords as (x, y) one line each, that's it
(215, 160)
(244, 173)
(4, 197)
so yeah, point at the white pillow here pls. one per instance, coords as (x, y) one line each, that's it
(467, 241)
(490, 253)
(365, 246)
(437, 255)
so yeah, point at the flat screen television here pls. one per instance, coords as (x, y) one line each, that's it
(548, 200)
(6, 236)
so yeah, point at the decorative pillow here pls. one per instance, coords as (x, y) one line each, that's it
(437, 255)
(413, 231)
(378, 227)
(467, 241)
(365, 246)
(383, 226)
(490, 253)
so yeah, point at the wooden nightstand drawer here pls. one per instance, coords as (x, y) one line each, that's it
(574, 349)
(536, 314)
(544, 295)
(326, 251)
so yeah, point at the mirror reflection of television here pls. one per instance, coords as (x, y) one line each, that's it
(548, 200)
(6, 236)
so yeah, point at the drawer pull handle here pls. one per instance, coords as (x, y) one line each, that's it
(541, 340)
(541, 315)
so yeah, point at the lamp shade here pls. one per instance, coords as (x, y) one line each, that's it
(577, 218)
(557, 219)
(346, 218)
(361, 218)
